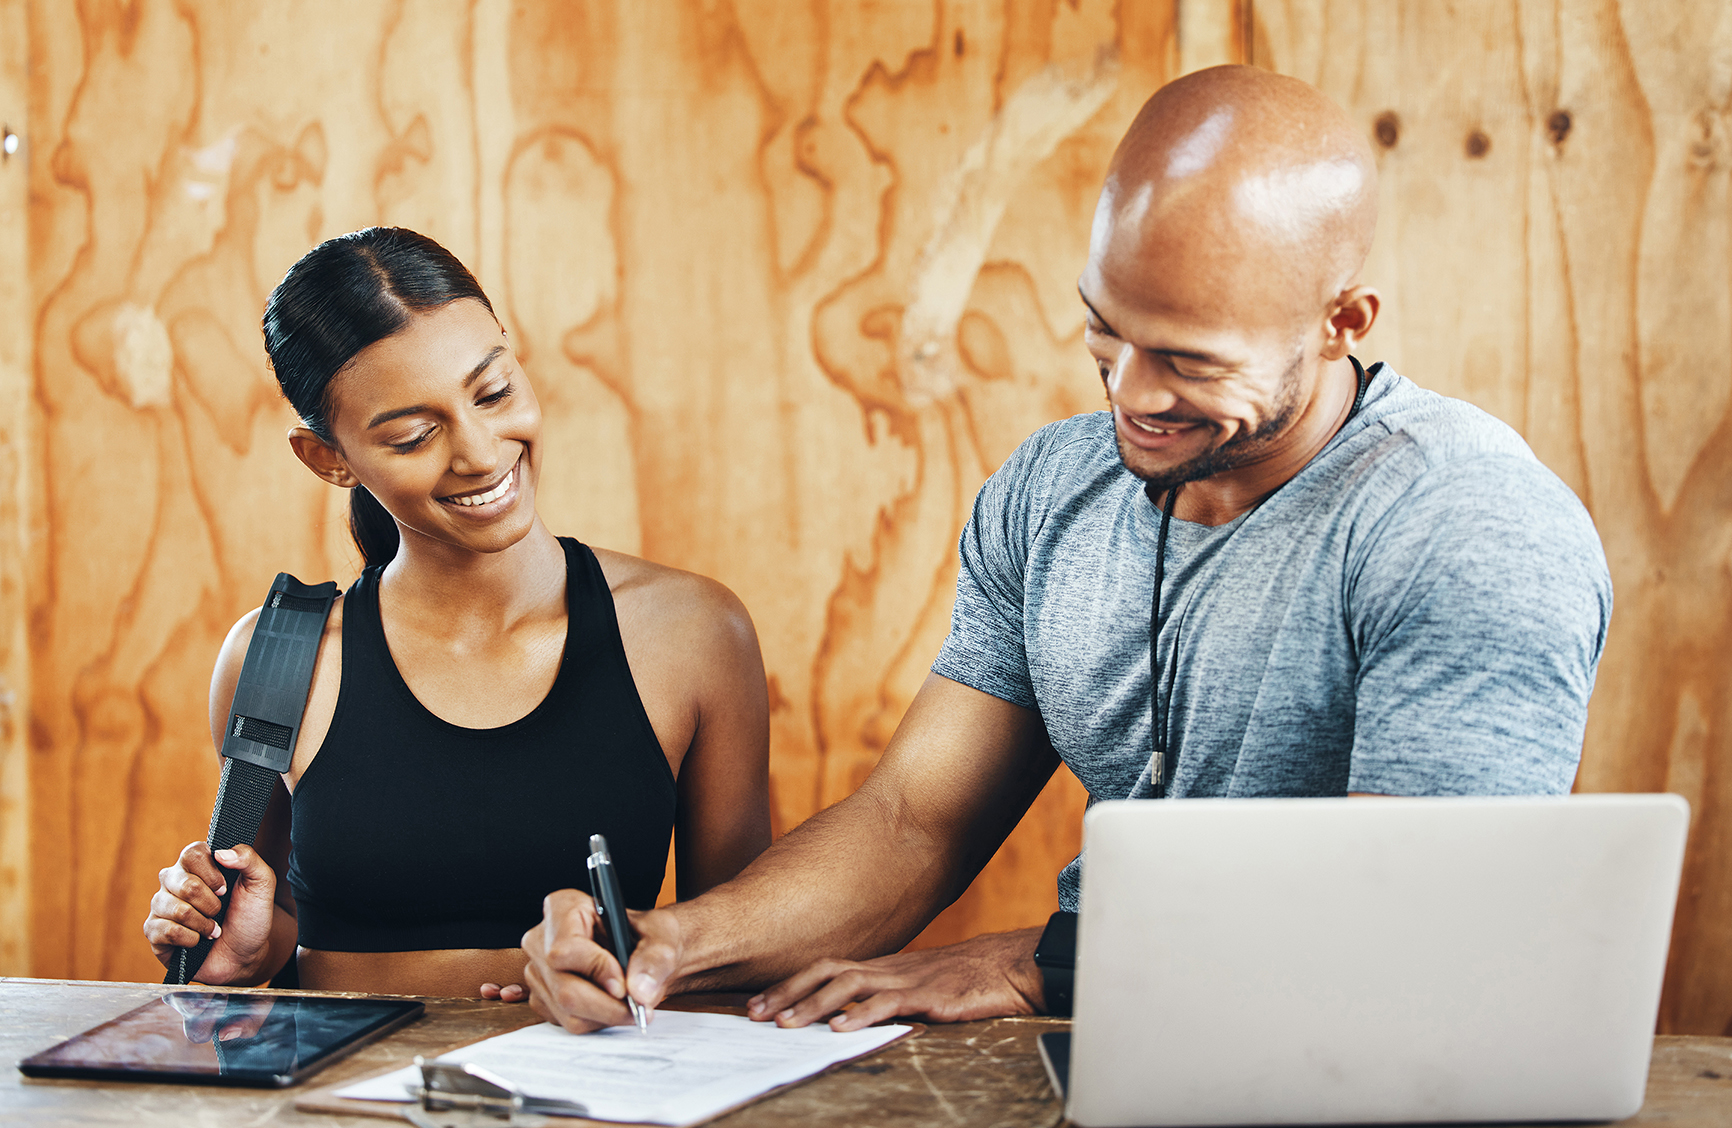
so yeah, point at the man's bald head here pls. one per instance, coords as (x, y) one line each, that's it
(1240, 165)
(1222, 283)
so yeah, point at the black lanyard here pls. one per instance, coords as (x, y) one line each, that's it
(1159, 775)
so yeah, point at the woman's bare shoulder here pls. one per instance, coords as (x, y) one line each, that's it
(666, 599)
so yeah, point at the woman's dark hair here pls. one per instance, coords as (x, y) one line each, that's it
(345, 294)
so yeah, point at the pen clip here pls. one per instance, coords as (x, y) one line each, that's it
(610, 912)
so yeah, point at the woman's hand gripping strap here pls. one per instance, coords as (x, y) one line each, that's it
(263, 722)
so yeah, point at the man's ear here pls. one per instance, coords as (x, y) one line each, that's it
(321, 457)
(1351, 317)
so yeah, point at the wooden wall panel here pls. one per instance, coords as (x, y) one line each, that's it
(1554, 246)
(791, 279)
(15, 450)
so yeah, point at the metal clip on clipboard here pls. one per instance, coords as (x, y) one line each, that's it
(462, 1095)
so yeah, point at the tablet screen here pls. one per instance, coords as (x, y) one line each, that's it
(223, 1038)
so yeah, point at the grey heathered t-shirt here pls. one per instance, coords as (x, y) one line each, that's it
(1418, 612)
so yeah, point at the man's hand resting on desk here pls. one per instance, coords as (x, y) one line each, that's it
(576, 982)
(984, 977)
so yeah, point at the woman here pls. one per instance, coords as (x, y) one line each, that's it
(486, 695)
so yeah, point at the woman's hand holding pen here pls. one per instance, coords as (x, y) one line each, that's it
(575, 981)
(185, 906)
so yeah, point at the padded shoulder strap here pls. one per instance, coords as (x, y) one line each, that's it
(271, 695)
(259, 742)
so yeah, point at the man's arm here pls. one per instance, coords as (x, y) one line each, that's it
(857, 880)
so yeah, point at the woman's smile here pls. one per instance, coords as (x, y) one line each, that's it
(491, 498)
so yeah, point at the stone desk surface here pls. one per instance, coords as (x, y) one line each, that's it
(974, 1073)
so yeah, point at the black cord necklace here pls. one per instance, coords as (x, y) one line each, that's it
(1159, 774)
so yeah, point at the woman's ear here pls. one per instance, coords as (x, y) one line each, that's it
(321, 457)
(1354, 312)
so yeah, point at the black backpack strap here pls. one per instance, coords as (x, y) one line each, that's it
(264, 721)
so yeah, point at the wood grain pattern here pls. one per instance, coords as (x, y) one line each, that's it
(791, 279)
(985, 1074)
(1553, 245)
(974, 1073)
(15, 453)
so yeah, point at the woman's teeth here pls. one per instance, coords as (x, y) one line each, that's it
(493, 494)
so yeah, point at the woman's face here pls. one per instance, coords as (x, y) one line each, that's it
(439, 422)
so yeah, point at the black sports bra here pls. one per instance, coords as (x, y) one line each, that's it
(413, 833)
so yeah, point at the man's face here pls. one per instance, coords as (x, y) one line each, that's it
(1202, 355)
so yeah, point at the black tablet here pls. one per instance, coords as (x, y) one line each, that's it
(259, 1039)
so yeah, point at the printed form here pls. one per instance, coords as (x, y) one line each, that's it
(691, 1067)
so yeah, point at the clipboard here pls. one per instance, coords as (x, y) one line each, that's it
(324, 1099)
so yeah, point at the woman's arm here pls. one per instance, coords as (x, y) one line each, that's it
(694, 657)
(258, 933)
(723, 818)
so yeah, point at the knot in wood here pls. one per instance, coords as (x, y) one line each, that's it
(1387, 129)
(1558, 126)
(1708, 145)
(1478, 144)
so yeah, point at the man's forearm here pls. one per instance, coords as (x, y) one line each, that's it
(854, 881)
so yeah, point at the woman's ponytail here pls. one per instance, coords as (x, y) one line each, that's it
(374, 530)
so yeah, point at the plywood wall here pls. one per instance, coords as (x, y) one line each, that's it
(1555, 244)
(791, 278)
(15, 453)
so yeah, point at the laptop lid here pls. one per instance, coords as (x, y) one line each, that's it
(1293, 961)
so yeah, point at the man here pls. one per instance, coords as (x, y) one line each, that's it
(1356, 586)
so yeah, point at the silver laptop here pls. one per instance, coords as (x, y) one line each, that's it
(1308, 961)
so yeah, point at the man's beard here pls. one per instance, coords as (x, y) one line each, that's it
(1241, 449)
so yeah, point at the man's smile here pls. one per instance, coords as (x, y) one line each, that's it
(1152, 429)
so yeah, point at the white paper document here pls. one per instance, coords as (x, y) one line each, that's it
(690, 1067)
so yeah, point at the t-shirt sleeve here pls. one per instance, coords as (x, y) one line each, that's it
(985, 647)
(1478, 607)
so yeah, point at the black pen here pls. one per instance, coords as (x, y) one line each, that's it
(610, 903)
